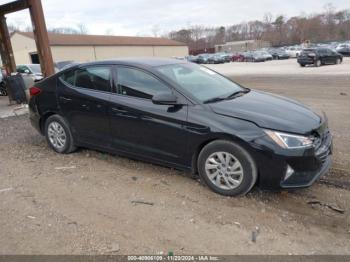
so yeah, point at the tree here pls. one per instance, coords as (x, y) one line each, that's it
(82, 29)
(155, 30)
(328, 26)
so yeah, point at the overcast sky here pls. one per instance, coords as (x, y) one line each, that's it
(143, 17)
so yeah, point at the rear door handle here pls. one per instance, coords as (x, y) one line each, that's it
(65, 99)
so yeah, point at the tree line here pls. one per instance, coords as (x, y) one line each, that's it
(78, 29)
(330, 25)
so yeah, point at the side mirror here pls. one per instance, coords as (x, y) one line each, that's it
(164, 99)
(26, 71)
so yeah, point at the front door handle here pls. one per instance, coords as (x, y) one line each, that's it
(119, 110)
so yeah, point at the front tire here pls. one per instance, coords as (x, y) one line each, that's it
(227, 168)
(58, 135)
(318, 63)
(338, 61)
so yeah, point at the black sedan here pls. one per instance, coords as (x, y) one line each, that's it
(278, 54)
(185, 116)
(255, 56)
(319, 56)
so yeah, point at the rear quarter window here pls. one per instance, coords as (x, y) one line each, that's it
(68, 77)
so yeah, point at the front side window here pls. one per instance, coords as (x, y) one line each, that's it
(201, 82)
(137, 83)
(322, 52)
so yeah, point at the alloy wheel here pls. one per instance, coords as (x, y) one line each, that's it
(224, 170)
(57, 135)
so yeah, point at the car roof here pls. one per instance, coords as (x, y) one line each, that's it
(140, 61)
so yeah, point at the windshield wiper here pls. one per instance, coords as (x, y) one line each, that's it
(235, 94)
(220, 98)
(213, 100)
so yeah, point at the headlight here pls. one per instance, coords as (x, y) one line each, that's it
(288, 140)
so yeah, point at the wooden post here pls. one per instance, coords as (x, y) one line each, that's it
(41, 37)
(6, 47)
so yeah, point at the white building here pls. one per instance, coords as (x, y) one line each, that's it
(85, 48)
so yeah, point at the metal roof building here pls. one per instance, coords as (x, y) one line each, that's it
(85, 48)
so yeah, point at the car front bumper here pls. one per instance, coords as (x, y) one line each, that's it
(306, 179)
(298, 168)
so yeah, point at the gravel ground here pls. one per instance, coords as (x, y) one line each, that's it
(83, 203)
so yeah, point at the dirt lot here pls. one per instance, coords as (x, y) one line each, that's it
(86, 208)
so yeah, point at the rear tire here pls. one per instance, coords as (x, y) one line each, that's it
(3, 91)
(302, 65)
(58, 135)
(227, 168)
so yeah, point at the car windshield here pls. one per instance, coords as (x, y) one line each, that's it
(35, 68)
(201, 82)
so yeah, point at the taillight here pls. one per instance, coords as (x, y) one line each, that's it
(34, 91)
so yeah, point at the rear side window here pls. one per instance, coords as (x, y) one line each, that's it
(95, 78)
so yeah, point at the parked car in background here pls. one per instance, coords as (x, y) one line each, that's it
(265, 54)
(179, 57)
(32, 70)
(216, 59)
(59, 65)
(344, 49)
(237, 57)
(319, 56)
(293, 52)
(186, 116)
(192, 58)
(203, 58)
(248, 56)
(254, 56)
(278, 54)
(226, 57)
(69, 65)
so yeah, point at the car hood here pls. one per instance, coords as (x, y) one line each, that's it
(270, 111)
